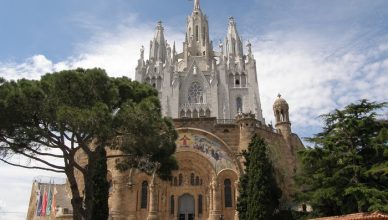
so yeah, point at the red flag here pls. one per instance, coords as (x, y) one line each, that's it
(44, 204)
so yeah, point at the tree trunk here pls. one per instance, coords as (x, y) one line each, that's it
(89, 186)
(96, 186)
(76, 201)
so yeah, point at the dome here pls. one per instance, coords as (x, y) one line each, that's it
(280, 102)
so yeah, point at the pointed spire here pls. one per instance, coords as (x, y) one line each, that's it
(196, 5)
(233, 44)
(158, 50)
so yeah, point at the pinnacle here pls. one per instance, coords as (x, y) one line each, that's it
(196, 5)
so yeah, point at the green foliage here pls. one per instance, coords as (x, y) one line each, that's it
(259, 193)
(347, 170)
(74, 109)
(97, 187)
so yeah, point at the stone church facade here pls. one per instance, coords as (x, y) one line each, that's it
(213, 98)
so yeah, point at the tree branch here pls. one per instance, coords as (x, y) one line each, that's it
(40, 160)
(44, 154)
(33, 167)
(121, 155)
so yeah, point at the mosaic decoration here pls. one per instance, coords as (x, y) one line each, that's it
(210, 148)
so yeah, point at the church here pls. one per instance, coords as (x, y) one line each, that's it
(212, 95)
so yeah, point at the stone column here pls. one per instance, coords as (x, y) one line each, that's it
(119, 199)
(132, 195)
(237, 194)
(215, 212)
(153, 211)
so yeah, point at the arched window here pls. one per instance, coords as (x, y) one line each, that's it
(188, 114)
(180, 179)
(243, 80)
(192, 182)
(172, 205)
(183, 115)
(196, 33)
(195, 93)
(200, 198)
(237, 83)
(195, 113)
(197, 181)
(201, 113)
(203, 36)
(239, 104)
(144, 195)
(228, 192)
(175, 181)
(208, 113)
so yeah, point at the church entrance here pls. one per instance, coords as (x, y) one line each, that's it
(186, 207)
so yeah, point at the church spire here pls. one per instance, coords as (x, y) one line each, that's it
(196, 5)
(233, 41)
(158, 50)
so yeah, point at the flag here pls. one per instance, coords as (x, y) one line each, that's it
(39, 198)
(53, 208)
(49, 202)
(44, 203)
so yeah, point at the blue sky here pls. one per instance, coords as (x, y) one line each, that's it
(320, 55)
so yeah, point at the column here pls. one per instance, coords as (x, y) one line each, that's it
(153, 211)
(215, 212)
(237, 194)
(132, 196)
(119, 199)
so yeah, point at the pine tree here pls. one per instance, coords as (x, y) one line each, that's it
(347, 170)
(259, 193)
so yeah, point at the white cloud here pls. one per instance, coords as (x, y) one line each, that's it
(116, 52)
(312, 82)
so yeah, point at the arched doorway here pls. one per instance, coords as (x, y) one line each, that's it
(186, 207)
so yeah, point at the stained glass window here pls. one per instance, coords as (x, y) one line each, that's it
(228, 193)
(200, 198)
(192, 179)
(172, 205)
(239, 104)
(144, 195)
(195, 93)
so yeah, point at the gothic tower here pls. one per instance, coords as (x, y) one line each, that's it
(201, 82)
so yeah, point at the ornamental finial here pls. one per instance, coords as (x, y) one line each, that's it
(196, 5)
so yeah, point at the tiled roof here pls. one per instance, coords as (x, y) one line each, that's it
(358, 216)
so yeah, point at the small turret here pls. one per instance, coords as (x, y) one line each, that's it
(247, 123)
(283, 124)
